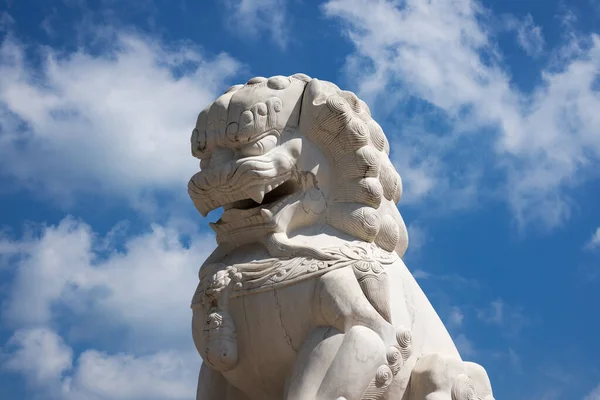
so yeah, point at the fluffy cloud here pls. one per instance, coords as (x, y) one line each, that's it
(440, 58)
(144, 288)
(40, 354)
(163, 375)
(252, 17)
(456, 317)
(418, 237)
(529, 35)
(111, 122)
(47, 361)
(114, 122)
(68, 276)
(511, 319)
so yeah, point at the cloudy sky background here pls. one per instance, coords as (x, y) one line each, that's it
(492, 109)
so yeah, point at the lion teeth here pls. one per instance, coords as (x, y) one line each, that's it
(266, 214)
(256, 193)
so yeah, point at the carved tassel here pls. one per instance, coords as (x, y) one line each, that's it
(375, 285)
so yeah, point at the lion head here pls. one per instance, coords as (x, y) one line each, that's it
(290, 156)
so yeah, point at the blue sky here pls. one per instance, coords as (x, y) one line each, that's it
(492, 109)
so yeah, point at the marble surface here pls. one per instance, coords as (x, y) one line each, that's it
(306, 296)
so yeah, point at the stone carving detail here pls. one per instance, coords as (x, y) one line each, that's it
(219, 329)
(463, 388)
(366, 259)
(306, 295)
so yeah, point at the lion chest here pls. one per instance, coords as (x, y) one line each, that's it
(269, 328)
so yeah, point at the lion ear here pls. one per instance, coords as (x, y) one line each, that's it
(315, 96)
(302, 77)
(314, 92)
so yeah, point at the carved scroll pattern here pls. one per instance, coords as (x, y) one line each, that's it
(264, 275)
(258, 276)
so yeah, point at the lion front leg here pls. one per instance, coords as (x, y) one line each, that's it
(337, 366)
(314, 359)
(356, 355)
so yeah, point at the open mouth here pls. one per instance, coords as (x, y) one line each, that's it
(267, 200)
(270, 194)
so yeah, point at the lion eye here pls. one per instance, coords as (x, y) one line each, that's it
(263, 146)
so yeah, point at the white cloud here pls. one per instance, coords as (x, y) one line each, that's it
(465, 346)
(417, 237)
(115, 122)
(420, 176)
(594, 394)
(251, 17)
(162, 375)
(456, 317)
(68, 271)
(68, 276)
(509, 318)
(47, 361)
(440, 53)
(420, 274)
(495, 314)
(594, 242)
(531, 38)
(529, 35)
(40, 354)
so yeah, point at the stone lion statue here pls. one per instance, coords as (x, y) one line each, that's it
(306, 296)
